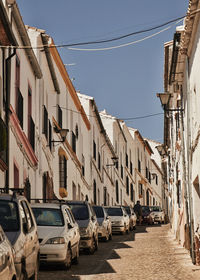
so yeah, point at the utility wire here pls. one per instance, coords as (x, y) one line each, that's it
(101, 41)
(123, 119)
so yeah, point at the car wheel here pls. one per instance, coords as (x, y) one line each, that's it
(68, 260)
(76, 259)
(96, 243)
(92, 247)
(35, 275)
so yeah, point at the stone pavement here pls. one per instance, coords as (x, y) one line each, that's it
(150, 253)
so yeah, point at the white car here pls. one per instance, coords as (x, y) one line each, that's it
(58, 233)
(157, 214)
(18, 223)
(7, 267)
(105, 226)
(119, 219)
(132, 217)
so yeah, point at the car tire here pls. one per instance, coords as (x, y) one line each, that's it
(91, 250)
(68, 260)
(106, 238)
(96, 243)
(76, 259)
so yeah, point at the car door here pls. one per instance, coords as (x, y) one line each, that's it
(71, 231)
(31, 239)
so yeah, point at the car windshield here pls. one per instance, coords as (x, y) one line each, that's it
(9, 216)
(114, 212)
(145, 209)
(155, 208)
(98, 211)
(128, 211)
(48, 217)
(80, 211)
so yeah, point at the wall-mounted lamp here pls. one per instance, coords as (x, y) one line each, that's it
(63, 133)
(115, 161)
(161, 149)
(164, 99)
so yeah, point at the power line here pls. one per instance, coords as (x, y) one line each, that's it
(100, 41)
(123, 119)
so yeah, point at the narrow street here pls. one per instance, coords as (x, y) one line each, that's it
(148, 253)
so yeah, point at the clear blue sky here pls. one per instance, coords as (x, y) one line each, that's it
(123, 81)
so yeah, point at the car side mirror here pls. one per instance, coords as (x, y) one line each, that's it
(93, 218)
(69, 226)
(25, 227)
(107, 217)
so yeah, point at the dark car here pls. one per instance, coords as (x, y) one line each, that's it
(88, 225)
(146, 217)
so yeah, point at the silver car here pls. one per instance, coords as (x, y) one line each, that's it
(105, 226)
(119, 219)
(7, 267)
(88, 225)
(18, 223)
(132, 217)
(58, 233)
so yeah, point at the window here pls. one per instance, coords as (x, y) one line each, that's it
(29, 112)
(45, 122)
(59, 116)
(28, 215)
(99, 161)
(3, 141)
(126, 160)
(83, 165)
(132, 192)
(63, 172)
(131, 168)
(122, 172)
(16, 176)
(94, 150)
(95, 192)
(117, 191)
(32, 133)
(140, 189)
(127, 185)
(139, 165)
(73, 142)
(19, 107)
(50, 136)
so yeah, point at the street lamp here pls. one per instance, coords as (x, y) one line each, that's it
(63, 133)
(164, 99)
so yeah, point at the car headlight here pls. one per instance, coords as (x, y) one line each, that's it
(56, 240)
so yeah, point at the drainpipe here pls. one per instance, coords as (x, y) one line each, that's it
(7, 110)
(189, 159)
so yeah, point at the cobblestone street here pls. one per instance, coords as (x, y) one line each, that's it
(149, 253)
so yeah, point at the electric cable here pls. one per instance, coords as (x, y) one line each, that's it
(103, 40)
(123, 119)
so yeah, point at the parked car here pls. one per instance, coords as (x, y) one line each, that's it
(157, 214)
(105, 226)
(88, 225)
(146, 217)
(18, 223)
(58, 233)
(7, 266)
(132, 217)
(119, 219)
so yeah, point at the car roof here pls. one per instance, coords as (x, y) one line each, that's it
(113, 206)
(48, 205)
(11, 197)
(77, 202)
